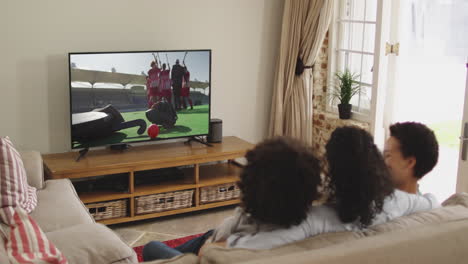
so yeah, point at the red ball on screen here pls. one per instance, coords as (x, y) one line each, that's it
(153, 131)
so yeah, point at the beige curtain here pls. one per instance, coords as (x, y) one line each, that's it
(305, 24)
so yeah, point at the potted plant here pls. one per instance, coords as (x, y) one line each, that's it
(346, 86)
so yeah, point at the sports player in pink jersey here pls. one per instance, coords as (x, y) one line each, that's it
(165, 83)
(153, 76)
(148, 97)
(185, 92)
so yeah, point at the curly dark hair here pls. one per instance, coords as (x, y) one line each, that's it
(358, 179)
(418, 141)
(280, 181)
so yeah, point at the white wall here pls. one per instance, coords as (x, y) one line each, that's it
(35, 37)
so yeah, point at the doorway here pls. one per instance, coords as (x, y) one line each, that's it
(426, 80)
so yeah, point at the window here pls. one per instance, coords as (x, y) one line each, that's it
(352, 46)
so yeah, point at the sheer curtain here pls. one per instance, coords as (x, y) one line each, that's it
(305, 24)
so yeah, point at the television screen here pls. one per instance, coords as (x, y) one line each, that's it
(125, 97)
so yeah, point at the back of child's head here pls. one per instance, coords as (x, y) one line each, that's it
(280, 181)
(358, 178)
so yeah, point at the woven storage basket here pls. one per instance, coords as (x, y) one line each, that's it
(163, 201)
(107, 210)
(222, 192)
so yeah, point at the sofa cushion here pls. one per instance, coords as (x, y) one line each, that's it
(34, 167)
(3, 253)
(59, 206)
(214, 254)
(24, 240)
(92, 243)
(445, 243)
(14, 188)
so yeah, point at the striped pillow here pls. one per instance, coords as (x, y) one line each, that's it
(24, 240)
(14, 187)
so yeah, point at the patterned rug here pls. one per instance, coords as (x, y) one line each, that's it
(172, 243)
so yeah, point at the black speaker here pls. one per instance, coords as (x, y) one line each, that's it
(216, 131)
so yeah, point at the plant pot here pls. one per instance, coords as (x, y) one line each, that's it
(344, 111)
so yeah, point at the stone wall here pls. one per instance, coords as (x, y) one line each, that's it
(325, 122)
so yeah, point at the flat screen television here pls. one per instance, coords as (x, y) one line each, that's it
(128, 97)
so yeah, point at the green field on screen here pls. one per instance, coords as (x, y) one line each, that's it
(189, 122)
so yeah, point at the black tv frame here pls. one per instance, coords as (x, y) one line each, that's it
(145, 51)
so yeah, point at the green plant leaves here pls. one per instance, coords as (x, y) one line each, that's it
(346, 86)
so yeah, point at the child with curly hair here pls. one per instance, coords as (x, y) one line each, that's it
(278, 185)
(361, 194)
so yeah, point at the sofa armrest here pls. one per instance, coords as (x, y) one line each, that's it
(460, 198)
(34, 168)
(92, 244)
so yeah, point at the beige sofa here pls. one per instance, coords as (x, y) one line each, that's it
(66, 222)
(436, 236)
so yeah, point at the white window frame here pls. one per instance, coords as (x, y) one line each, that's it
(334, 37)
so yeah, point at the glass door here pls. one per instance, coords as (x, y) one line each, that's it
(462, 179)
(426, 79)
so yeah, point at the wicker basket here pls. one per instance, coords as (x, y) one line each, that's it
(107, 210)
(163, 202)
(222, 192)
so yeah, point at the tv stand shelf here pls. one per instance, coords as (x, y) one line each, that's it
(197, 161)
